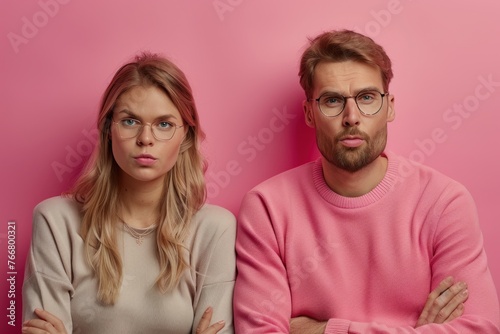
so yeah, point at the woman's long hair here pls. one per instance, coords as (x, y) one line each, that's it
(184, 186)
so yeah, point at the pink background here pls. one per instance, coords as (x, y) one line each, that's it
(241, 58)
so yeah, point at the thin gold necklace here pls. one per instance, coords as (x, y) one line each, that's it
(139, 237)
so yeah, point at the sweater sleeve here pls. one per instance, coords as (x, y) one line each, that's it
(218, 276)
(262, 301)
(47, 283)
(457, 251)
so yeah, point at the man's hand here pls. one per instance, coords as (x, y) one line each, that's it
(302, 325)
(444, 303)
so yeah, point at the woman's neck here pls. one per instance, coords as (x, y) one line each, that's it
(139, 203)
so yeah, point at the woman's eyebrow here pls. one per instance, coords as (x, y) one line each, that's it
(132, 114)
(128, 112)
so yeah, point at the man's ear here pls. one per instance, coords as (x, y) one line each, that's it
(391, 113)
(308, 113)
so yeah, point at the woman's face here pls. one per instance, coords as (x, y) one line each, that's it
(143, 157)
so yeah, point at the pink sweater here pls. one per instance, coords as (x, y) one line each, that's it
(364, 264)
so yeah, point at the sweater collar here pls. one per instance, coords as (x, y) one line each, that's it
(374, 195)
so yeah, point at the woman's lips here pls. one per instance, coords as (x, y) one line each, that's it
(145, 159)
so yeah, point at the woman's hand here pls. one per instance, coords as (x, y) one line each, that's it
(444, 303)
(46, 324)
(204, 326)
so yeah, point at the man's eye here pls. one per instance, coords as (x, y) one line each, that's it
(366, 97)
(332, 100)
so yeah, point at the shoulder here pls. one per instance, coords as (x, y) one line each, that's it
(288, 179)
(57, 204)
(213, 227)
(428, 179)
(291, 185)
(214, 219)
(58, 212)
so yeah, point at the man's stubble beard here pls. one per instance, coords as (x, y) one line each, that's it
(351, 159)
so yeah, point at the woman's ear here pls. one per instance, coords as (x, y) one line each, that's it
(185, 130)
(108, 123)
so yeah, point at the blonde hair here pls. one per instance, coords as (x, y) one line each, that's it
(338, 46)
(184, 186)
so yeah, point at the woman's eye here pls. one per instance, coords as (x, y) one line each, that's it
(164, 125)
(129, 122)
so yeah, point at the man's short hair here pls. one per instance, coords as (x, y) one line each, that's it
(338, 46)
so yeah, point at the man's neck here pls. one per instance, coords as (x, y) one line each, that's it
(354, 184)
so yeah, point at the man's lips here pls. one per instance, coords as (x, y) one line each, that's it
(351, 141)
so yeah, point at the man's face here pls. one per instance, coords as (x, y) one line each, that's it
(351, 140)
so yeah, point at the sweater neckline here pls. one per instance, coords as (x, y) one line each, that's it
(374, 195)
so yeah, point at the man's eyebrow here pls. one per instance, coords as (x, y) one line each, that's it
(356, 92)
(370, 88)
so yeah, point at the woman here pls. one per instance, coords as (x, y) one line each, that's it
(133, 248)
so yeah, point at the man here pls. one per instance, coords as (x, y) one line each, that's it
(357, 241)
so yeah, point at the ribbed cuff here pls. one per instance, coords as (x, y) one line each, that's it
(337, 326)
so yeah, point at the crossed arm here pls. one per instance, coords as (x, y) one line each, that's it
(47, 323)
(445, 303)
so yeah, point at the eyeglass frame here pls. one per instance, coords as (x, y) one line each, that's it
(139, 131)
(382, 95)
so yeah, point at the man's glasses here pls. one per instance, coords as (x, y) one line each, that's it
(369, 102)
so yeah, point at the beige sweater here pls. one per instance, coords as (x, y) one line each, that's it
(59, 280)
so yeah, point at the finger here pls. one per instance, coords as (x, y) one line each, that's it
(215, 328)
(446, 303)
(205, 320)
(456, 296)
(38, 326)
(458, 312)
(32, 330)
(428, 314)
(444, 285)
(51, 319)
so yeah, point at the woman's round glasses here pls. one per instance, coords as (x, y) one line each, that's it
(130, 128)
